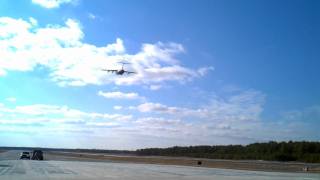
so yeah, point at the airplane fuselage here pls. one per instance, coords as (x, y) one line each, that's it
(120, 72)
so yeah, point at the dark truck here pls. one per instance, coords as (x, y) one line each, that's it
(37, 155)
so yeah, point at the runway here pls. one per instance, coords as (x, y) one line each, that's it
(12, 169)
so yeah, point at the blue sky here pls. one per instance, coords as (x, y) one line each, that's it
(208, 72)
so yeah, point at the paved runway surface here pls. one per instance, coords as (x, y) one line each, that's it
(12, 169)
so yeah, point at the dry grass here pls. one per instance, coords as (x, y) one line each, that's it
(226, 164)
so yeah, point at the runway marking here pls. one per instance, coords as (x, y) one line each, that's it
(3, 170)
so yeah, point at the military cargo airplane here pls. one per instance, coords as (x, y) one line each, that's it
(119, 71)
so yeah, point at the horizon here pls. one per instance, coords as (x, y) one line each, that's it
(207, 72)
(133, 150)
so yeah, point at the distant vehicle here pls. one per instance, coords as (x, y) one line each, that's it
(119, 71)
(37, 155)
(25, 155)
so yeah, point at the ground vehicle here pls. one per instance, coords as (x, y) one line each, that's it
(25, 155)
(37, 155)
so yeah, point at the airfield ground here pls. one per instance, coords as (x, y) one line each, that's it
(209, 163)
(63, 165)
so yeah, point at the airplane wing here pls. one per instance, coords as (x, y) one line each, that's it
(130, 72)
(110, 70)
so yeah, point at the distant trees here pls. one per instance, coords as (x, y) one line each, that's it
(275, 151)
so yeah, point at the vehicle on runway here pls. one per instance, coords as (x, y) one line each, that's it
(37, 155)
(25, 155)
(119, 71)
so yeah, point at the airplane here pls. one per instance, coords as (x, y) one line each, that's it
(119, 71)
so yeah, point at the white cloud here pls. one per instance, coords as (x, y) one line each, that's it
(236, 114)
(92, 16)
(11, 99)
(117, 107)
(160, 123)
(2, 72)
(33, 21)
(230, 119)
(157, 107)
(223, 120)
(102, 124)
(155, 87)
(51, 3)
(120, 95)
(25, 46)
(42, 113)
(204, 70)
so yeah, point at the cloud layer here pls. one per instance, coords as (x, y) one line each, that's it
(54, 115)
(120, 95)
(25, 46)
(51, 3)
(222, 120)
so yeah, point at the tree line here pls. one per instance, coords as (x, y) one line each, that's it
(272, 151)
